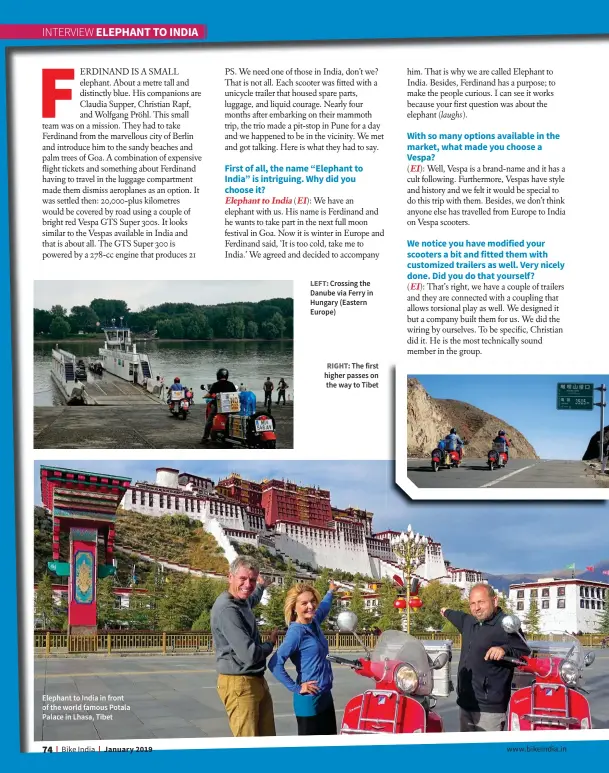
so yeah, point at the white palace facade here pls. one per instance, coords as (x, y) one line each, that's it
(295, 522)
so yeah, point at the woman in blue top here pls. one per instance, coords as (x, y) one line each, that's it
(306, 646)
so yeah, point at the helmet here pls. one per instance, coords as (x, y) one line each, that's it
(222, 373)
(501, 432)
(453, 431)
(176, 380)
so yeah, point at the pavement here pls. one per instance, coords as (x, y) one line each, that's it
(519, 473)
(175, 697)
(136, 426)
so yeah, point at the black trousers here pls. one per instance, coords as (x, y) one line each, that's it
(268, 399)
(210, 421)
(320, 724)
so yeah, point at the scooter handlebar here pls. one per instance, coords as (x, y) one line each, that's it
(344, 661)
(514, 661)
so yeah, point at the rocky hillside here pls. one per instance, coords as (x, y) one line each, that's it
(172, 538)
(429, 419)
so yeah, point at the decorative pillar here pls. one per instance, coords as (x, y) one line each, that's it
(84, 505)
(82, 592)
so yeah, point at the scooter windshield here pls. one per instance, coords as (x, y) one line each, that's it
(559, 645)
(401, 647)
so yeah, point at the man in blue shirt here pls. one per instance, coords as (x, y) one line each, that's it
(454, 442)
(502, 441)
(175, 387)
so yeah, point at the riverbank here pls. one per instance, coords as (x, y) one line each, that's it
(99, 427)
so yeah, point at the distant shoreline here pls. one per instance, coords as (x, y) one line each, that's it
(83, 339)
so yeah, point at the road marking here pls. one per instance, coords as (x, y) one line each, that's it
(509, 475)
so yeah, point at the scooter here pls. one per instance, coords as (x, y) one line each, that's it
(553, 699)
(180, 403)
(81, 371)
(402, 700)
(442, 458)
(497, 456)
(231, 425)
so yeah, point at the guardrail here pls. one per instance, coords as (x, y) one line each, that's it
(48, 643)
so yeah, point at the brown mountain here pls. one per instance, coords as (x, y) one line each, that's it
(429, 419)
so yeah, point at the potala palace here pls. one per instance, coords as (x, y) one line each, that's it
(295, 522)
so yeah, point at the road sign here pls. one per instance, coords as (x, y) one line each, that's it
(574, 397)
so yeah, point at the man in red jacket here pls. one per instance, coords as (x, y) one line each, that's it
(485, 679)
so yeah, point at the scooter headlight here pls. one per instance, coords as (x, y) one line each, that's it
(569, 672)
(406, 679)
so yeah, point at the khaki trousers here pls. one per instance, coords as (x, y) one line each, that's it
(248, 703)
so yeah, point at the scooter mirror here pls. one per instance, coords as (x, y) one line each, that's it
(347, 621)
(440, 661)
(510, 623)
(589, 658)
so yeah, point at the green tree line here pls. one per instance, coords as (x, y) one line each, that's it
(174, 602)
(269, 319)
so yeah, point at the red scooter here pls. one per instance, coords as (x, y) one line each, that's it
(497, 456)
(552, 698)
(443, 458)
(231, 426)
(402, 700)
(180, 403)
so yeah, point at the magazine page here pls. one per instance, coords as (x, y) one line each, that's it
(281, 297)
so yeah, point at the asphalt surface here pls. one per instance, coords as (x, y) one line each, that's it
(136, 426)
(519, 473)
(175, 697)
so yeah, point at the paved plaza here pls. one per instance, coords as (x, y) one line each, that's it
(175, 697)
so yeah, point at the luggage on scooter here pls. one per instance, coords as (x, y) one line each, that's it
(237, 426)
(228, 402)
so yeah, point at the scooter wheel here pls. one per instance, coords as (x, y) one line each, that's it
(184, 415)
(435, 466)
(268, 444)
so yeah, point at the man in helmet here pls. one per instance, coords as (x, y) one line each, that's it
(453, 442)
(222, 384)
(502, 440)
(175, 387)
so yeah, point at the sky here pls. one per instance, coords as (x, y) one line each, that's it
(493, 537)
(527, 403)
(139, 295)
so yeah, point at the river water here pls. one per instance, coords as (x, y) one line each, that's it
(195, 362)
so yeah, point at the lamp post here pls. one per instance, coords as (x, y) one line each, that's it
(410, 551)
